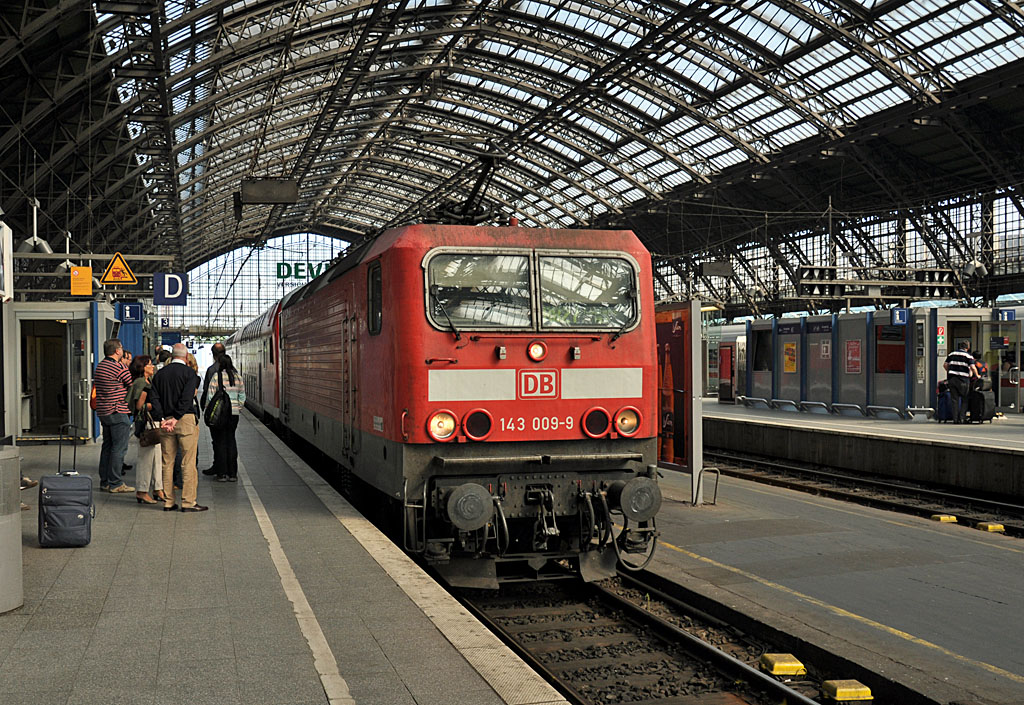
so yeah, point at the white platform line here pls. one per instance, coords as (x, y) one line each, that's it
(326, 665)
(513, 681)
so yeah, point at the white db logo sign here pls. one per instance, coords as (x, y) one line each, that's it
(538, 384)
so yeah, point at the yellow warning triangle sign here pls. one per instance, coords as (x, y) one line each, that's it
(118, 272)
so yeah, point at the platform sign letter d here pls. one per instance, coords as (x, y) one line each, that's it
(170, 289)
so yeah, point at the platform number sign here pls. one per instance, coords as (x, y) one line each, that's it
(940, 337)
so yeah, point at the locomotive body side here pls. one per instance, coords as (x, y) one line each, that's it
(505, 441)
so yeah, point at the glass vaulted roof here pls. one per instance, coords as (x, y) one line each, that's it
(382, 111)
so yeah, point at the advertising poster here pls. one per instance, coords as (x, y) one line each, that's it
(853, 357)
(670, 331)
(789, 357)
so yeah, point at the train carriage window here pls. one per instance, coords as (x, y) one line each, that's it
(374, 309)
(587, 292)
(479, 291)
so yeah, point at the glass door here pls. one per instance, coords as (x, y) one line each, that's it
(79, 378)
(1000, 345)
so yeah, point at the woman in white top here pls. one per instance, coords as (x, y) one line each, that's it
(228, 379)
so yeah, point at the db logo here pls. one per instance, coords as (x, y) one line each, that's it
(538, 384)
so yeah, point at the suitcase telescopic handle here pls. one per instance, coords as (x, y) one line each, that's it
(74, 444)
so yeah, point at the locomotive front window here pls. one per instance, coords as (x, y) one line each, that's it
(587, 292)
(480, 291)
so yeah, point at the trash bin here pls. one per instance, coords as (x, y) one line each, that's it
(11, 588)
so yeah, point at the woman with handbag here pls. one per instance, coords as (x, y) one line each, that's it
(149, 471)
(227, 392)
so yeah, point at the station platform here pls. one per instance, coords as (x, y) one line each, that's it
(935, 607)
(280, 594)
(984, 457)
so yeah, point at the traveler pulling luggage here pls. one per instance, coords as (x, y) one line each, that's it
(943, 404)
(65, 504)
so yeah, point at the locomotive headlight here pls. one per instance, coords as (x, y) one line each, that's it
(537, 351)
(627, 421)
(639, 499)
(442, 425)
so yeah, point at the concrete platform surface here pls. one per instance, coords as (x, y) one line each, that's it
(280, 594)
(937, 607)
(1006, 433)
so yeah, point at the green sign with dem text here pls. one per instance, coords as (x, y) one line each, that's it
(300, 270)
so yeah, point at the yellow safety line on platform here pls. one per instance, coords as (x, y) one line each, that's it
(845, 613)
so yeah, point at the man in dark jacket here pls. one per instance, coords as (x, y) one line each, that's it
(218, 463)
(174, 390)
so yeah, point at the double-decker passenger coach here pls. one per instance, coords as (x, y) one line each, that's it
(495, 386)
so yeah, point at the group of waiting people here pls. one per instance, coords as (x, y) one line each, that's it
(163, 397)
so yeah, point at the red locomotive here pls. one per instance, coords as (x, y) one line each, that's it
(496, 387)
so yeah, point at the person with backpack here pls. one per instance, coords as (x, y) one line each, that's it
(227, 397)
(982, 370)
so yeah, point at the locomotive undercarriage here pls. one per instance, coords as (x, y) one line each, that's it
(479, 530)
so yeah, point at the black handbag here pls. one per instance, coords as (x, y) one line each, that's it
(218, 409)
(150, 435)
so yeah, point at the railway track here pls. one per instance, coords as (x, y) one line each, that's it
(902, 497)
(596, 644)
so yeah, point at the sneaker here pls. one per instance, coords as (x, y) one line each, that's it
(222, 478)
(210, 471)
(120, 489)
(232, 478)
(26, 483)
(25, 507)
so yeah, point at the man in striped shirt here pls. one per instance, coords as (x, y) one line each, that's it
(959, 366)
(112, 381)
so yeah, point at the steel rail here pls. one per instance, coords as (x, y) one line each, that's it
(695, 647)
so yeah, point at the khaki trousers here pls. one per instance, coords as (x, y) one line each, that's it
(185, 434)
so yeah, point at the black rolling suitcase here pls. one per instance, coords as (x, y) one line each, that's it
(982, 406)
(65, 506)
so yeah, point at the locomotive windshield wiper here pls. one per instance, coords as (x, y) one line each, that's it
(625, 324)
(433, 292)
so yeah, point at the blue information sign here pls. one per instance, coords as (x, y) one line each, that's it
(1007, 314)
(131, 313)
(900, 316)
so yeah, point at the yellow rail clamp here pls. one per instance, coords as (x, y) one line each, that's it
(782, 665)
(990, 526)
(846, 691)
(944, 518)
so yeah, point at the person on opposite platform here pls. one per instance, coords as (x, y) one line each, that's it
(959, 366)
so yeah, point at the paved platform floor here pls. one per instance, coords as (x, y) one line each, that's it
(271, 597)
(1002, 433)
(937, 607)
